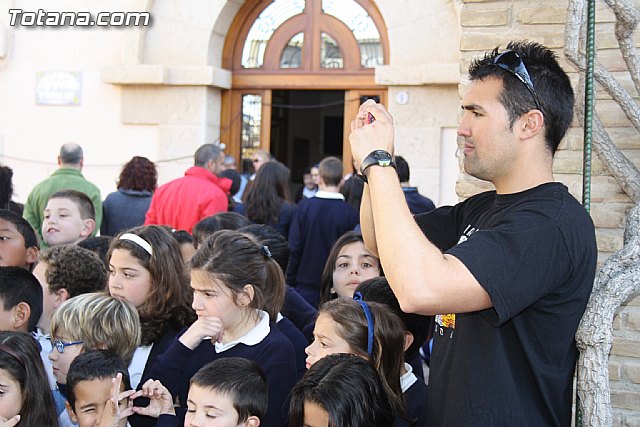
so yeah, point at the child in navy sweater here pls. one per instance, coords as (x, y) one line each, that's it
(230, 274)
(317, 224)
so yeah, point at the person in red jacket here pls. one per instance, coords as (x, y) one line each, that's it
(183, 202)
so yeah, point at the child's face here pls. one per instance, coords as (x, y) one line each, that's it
(354, 264)
(308, 181)
(315, 415)
(91, 399)
(62, 223)
(211, 298)
(315, 175)
(12, 250)
(326, 340)
(128, 279)
(210, 408)
(10, 395)
(62, 361)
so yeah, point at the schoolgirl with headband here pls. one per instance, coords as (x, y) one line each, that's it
(147, 270)
(26, 398)
(368, 330)
(232, 276)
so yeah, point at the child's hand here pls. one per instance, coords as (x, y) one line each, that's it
(206, 327)
(118, 407)
(9, 422)
(160, 400)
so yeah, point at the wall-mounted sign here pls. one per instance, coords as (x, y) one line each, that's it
(58, 87)
(402, 98)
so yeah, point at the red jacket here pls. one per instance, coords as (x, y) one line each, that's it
(183, 202)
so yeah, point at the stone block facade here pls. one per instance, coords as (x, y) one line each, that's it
(486, 24)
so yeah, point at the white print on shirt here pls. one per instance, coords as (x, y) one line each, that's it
(468, 231)
(446, 323)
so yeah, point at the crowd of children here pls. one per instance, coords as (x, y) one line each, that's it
(156, 326)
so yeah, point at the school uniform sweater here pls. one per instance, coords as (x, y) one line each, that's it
(264, 344)
(298, 340)
(317, 224)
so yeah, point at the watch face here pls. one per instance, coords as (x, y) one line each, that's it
(383, 157)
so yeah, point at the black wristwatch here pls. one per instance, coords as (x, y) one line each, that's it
(376, 158)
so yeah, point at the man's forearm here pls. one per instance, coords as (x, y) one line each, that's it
(366, 222)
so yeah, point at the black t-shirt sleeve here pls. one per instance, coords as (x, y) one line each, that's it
(518, 262)
(439, 226)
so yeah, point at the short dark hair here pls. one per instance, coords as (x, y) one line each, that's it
(330, 170)
(71, 154)
(402, 169)
(139, 174)
(18, 285)
(81, 200)
(182, 236)
(346, 386)
(76, 269)
(240, 379)
(235, 178)
(23, 227)
(99, 245)
(220, 221)
(95, 365)
(269, 236)
(552, 87)
(378, 290)
(205, 153)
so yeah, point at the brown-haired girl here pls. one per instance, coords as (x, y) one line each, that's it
(231, 278)
(368, 330)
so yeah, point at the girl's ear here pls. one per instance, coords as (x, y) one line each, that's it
(408, 340)
(332, 291)
(246, 296)
(252, 421)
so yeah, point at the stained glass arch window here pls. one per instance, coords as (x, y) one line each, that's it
(312, 35)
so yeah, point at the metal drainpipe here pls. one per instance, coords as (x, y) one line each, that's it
(589, 101)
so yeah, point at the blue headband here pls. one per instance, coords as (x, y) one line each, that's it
(367, 313)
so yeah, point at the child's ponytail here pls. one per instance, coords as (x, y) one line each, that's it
(274, 286)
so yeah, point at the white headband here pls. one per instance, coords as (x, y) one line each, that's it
(137, 240)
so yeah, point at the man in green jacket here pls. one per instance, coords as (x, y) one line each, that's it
(67, 177)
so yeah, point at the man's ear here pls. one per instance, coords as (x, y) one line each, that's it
(89, 226)
(72, 414)
(252, 421)
(21, 314)
(532, 124)
(61, 295)
(408, 340)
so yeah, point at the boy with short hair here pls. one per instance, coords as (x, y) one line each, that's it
(20, 300)
(94, 377)
(316, 225)
(234, 389)
(90, 322)
(69, 218)
(18, 242)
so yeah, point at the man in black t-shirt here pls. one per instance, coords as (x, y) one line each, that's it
(508, 272)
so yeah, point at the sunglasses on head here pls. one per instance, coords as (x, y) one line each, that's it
(512, 62)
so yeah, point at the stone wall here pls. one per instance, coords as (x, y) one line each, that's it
(486, 24)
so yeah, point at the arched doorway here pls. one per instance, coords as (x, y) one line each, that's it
(300, 70)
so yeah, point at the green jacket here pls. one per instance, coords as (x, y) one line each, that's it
(61, 179)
